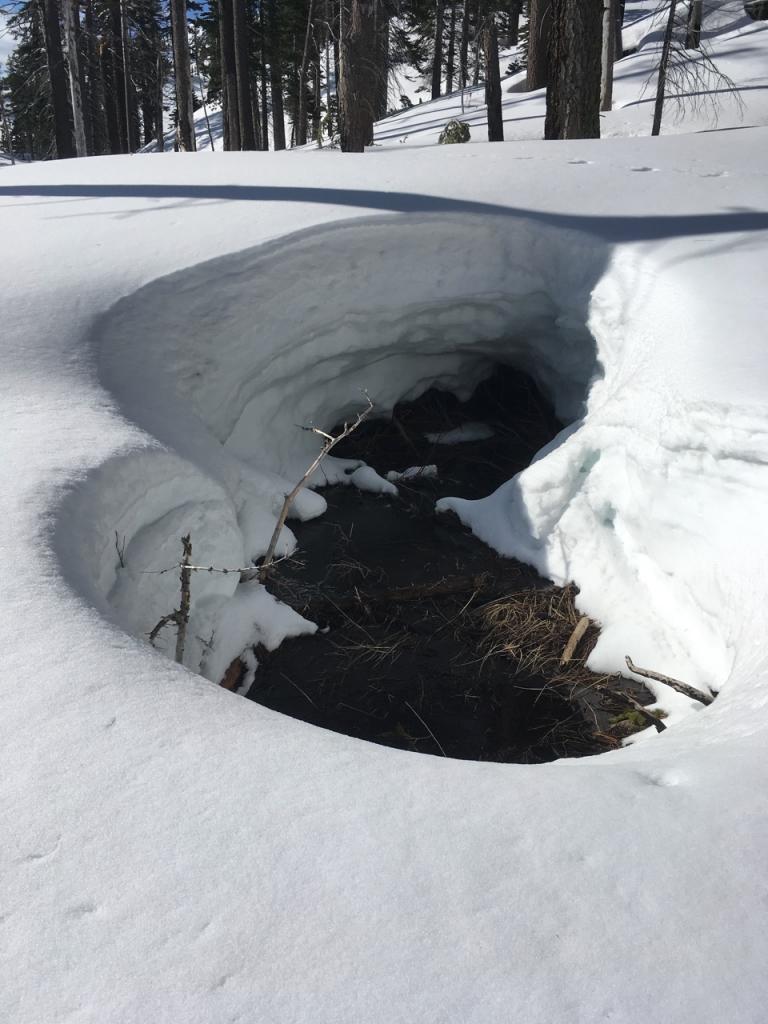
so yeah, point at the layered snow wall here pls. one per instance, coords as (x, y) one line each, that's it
(221, 364)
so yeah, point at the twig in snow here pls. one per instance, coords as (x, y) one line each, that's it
(165, 621)
(120, 549)
(684, 688)
(329, 442)
(181, 616)
(185, 579)
(437, 741)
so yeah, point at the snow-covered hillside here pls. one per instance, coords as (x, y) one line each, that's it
(737, 46)
(174, 853)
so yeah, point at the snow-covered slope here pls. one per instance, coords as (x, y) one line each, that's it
(737, 45)
(174, 853)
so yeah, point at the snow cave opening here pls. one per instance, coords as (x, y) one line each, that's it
(428, 639)
(477, 349)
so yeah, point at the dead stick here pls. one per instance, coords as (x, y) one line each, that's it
(329, 443)
(573, 641)
(183, 613)
(684, 688)
(165, 621)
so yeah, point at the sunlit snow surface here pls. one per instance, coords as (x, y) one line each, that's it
(174, 853)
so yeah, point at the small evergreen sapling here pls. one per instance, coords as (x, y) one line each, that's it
(455, 131)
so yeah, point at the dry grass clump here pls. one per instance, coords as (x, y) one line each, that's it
(533, 628)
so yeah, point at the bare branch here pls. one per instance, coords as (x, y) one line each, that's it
(675, 684)
(183, 613)
(329, 443)
(165, 621)
(120, 549)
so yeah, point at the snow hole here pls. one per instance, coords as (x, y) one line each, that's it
(221, 365)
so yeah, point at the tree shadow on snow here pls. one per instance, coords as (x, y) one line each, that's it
(610, 228)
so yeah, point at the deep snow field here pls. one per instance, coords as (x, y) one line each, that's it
(174, 853)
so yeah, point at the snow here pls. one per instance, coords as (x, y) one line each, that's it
(174, 853)
(367, 479)
(412, 473)
(461, 435)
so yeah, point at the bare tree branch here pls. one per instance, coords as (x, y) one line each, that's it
(329, 443)
(675, 684)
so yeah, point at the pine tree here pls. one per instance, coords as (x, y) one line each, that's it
(60, 101)
(185, 126)
(573, 92)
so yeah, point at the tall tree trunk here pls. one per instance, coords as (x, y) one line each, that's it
(514, 21)
(357, 40)
(317, 91)
(264, 83)
(301, 127)
(608, 53)
(96, 99)
(381, 61)
(437, 60)
(539, 33)
(131, 117)
(185, 124)
(450, 59)
(328, 33)
(276, 79)
(229, 76)
(110, 96)
(490, 44)
(119, 100)
(464, 46)
(244, 108)
(693, 35)
(87, 88)
(158, 86)
(661, 83)
(618, 46)
(70, 17)
(573, 92)
(256, 112)
(60, 101)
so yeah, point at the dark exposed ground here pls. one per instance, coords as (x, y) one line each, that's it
(407, 657)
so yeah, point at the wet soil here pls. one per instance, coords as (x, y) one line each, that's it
(398, 590)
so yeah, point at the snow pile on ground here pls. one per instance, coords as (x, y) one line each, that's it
(175, 853)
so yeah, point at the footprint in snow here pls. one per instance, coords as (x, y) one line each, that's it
(644, 169)
(41, 855)
(81, 909)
